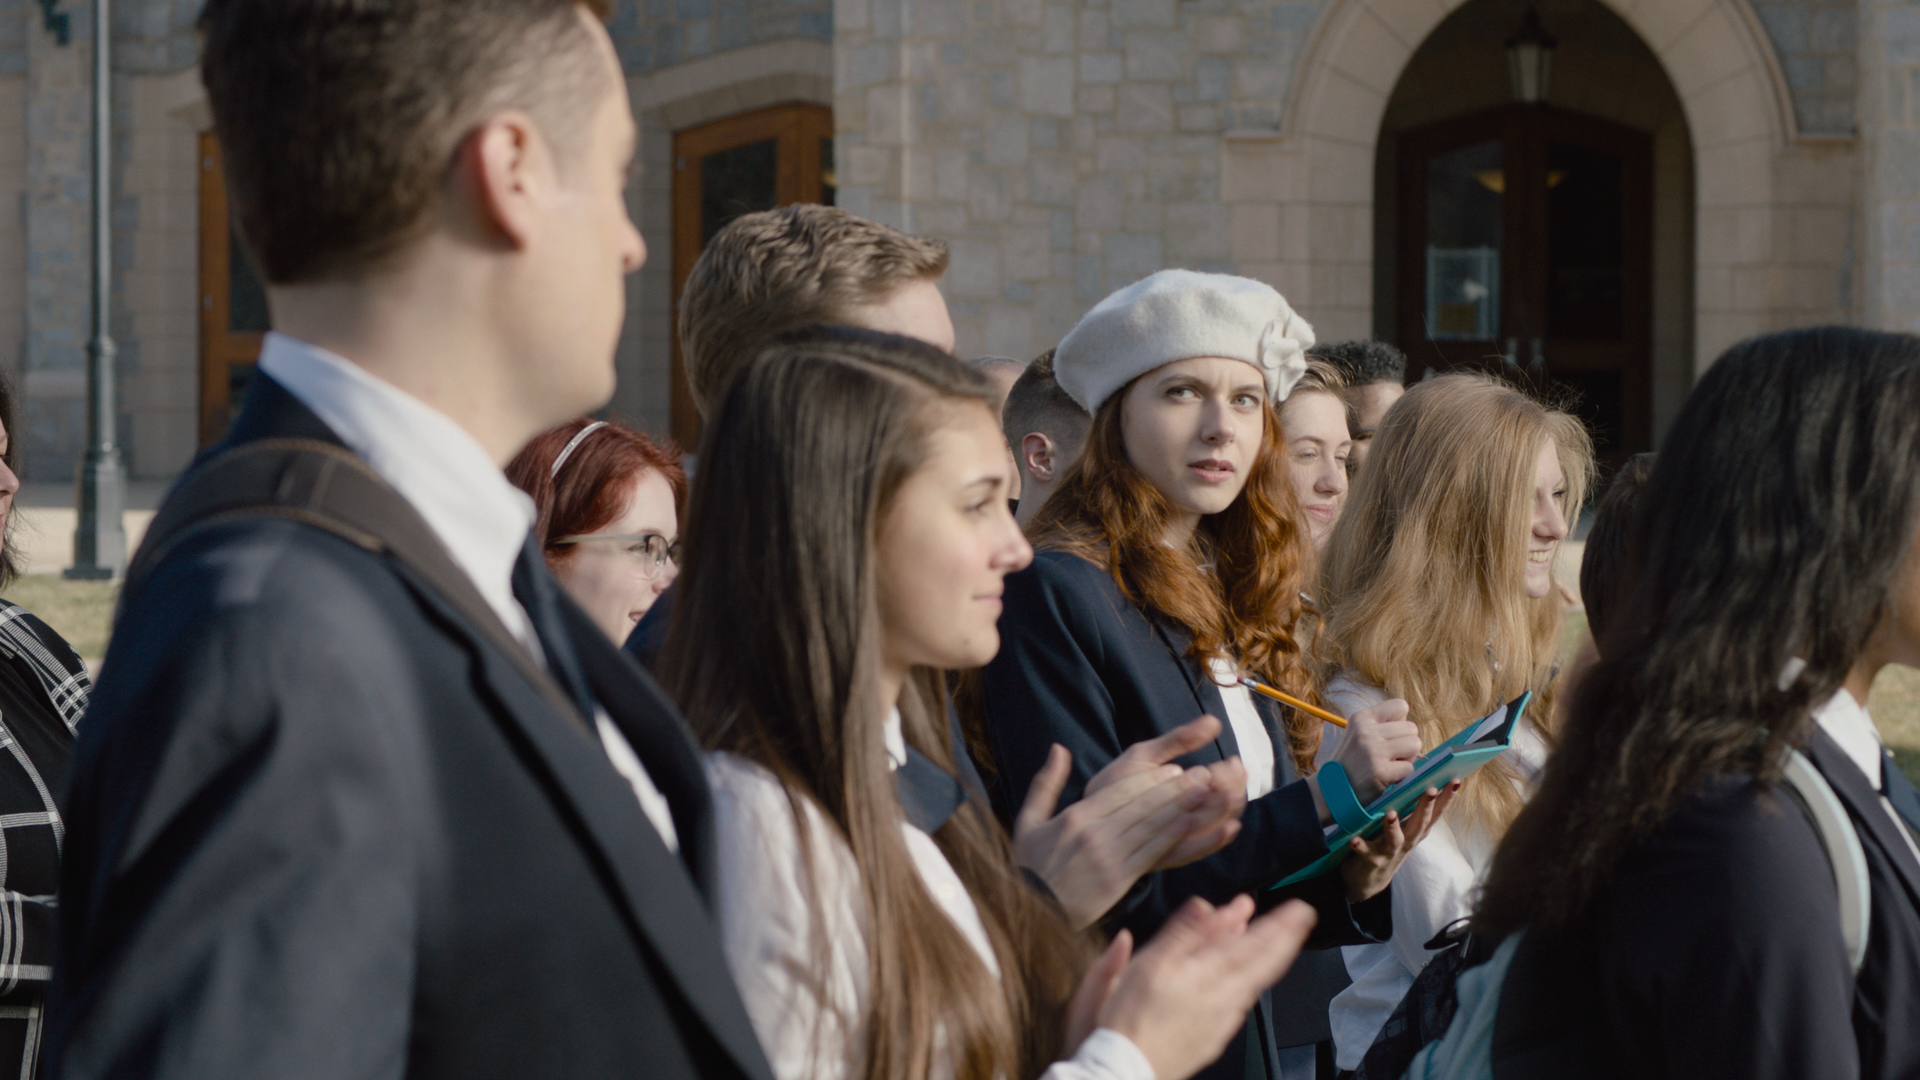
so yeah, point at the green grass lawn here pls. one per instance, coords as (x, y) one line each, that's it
(80, 611)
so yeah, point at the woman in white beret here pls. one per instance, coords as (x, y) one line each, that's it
(1168, 565)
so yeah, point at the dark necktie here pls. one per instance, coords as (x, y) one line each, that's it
(535, 590)
(928, 793)
(1900, 792)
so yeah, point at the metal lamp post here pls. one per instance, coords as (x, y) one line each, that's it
(100, 540)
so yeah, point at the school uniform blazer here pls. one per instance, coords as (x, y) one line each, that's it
(1715, 952)
(1082, 666)
(322, 826)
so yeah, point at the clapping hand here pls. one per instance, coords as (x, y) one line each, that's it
(1185, 995)
(1138, 815)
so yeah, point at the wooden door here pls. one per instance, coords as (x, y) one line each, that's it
(233, 305)
(1527, 250)
(721, 170)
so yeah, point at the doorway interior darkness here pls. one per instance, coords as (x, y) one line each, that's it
(1526, 249)
(721, 170)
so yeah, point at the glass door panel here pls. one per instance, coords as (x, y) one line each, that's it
(1525, 250)
(1464, 189)
(737, 181)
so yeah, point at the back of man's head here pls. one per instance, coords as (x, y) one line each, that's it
(337, 118)
(1363, 362)
(1038, 404)
(775, 270)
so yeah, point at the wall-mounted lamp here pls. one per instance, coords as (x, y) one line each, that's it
(1530, 60)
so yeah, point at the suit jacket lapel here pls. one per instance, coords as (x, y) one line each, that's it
(1205, 693)
(1864, 803)
(668, 910)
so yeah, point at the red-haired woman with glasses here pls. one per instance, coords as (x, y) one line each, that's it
(609, 502)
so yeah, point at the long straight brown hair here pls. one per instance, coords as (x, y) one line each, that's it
(1423, 587)
(1235, 588)
(774, 657)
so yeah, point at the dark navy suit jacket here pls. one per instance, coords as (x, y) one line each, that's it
(1715, 952)
(322, 826)
(1081, 666)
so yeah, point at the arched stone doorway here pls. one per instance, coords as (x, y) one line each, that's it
(1592, 233)
(1771, 226)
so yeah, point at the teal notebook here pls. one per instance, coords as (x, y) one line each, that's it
(1473, 747)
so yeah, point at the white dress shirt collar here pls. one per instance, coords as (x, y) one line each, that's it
(1846, 720)
(432, 461)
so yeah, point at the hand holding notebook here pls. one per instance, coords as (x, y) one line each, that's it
(1474, 746)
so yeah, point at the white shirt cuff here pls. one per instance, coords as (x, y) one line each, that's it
(1105, 1055)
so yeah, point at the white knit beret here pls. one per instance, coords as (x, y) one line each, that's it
(1179, 315)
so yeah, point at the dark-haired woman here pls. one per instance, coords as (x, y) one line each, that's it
(43, 691)
(852, 495)
(608, 504)
(1171, 561)
(1681, 915)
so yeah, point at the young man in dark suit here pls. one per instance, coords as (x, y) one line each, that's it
(377, 801)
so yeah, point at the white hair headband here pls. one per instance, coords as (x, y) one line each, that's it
(572, 445)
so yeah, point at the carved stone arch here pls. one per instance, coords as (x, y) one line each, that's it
(1714, 52)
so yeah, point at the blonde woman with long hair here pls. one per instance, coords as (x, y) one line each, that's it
(1438, 588)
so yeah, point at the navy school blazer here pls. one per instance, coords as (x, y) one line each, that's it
(1082, 666)
(1714, 951)
(321, 826)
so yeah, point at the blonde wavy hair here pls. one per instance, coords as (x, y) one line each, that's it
(1423, 583)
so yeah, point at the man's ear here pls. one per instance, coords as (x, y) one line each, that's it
(1036, 456)
(508, 175)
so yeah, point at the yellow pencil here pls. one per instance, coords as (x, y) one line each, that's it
(1263, 689)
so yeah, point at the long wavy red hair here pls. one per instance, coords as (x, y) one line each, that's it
(1235, 589)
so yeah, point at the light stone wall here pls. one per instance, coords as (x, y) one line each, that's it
(1818, 47)
(1062, 149)
(157, 255)
(1890, 167)
(13, 236)
(654, 34)
(58, 237)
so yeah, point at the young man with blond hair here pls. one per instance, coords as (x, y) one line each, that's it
(778, 270)
(772, 271)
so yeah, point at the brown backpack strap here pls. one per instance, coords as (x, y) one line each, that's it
(329, 487)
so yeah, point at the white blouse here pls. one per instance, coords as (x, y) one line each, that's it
(812, 1023)
(1434, 887)
(1256, 746)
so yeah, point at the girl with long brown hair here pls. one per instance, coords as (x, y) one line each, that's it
(850, 536)
(1170, 564)
(1438, 589)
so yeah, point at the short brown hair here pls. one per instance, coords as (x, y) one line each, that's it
(591, 491)
(777, 270)
(337, 118)
(1036, 403)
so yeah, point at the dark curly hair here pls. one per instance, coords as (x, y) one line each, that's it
(1363, 362)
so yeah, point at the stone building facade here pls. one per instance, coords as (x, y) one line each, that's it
(1063, 148)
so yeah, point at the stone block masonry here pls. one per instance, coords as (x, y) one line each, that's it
(1063, 149)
